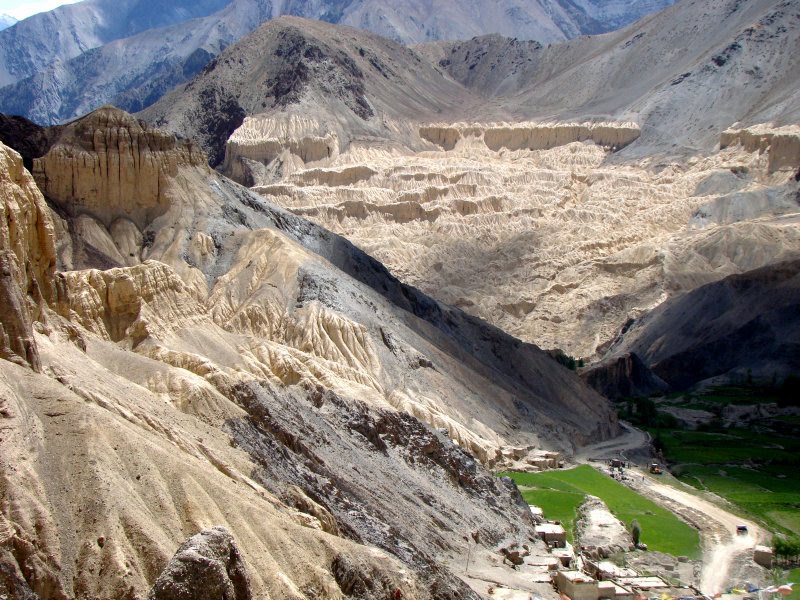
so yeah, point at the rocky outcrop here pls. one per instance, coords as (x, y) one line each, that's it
(110, 165)
(781, 144)
(262, 140)
(625, 376)
(27, 259)
(207, 566)
(742, 326)
(532, 136)
(127, 304)
(598, 532)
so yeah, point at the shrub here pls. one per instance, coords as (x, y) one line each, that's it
(636, 532)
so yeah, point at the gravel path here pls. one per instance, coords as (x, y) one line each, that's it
(722, 548)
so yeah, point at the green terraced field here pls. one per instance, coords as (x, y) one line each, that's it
(756, 471)
(560, 493)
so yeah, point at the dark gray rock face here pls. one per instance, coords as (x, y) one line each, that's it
(743, 324)
(207, 566)
(337, 451)
(626, 376)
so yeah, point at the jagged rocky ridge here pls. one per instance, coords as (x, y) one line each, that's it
(131, 53)
(222, 371)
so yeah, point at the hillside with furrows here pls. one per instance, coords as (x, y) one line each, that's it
(201, 357)
(557, 230)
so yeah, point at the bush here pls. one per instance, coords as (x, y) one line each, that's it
(636, 532)
(565, 359)
(787, 548)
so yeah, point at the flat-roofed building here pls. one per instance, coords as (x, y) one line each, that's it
(577, 585)
(552, 534)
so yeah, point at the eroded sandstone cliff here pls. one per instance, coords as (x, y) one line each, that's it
(27, 260)
(222, 362)
(561, 245)
(110, 165)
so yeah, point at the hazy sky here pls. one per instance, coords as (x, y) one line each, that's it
(19, 9)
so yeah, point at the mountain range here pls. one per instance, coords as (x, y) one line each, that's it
(6, 21)
(276, 334)
(130, 53)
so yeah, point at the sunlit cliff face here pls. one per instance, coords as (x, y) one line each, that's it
(537, 228)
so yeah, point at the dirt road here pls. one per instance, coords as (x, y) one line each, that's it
(722, 548)
(631, 439)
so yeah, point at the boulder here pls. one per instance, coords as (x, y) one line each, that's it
(207, 566)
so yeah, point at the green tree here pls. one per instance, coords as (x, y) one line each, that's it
(636, 532)
(786, 547)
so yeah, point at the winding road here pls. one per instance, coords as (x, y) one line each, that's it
(721, 546)
(631, 439)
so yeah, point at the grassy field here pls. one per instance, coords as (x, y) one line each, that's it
(791, 576)
(560, 493)
(755, 465)
(755, 470)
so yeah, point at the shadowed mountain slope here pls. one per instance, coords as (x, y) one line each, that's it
(744, 325)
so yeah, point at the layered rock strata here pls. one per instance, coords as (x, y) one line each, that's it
(531, 135)
(245, 368)
(27, 260)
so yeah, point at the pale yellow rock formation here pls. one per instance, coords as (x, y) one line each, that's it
(559, 246)
(262, 139)
(256, 293)
(781, 144)
(110, 165)
(127, 434)
(530, 135)
(154, 475)
(27, 259)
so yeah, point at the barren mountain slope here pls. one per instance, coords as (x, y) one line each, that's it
(132, 72)
(415, 21)
(742, 326)
(684, 74)
(338, 81)
(223, 370)
(549, 231)
(132, 54)
(68, 31)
